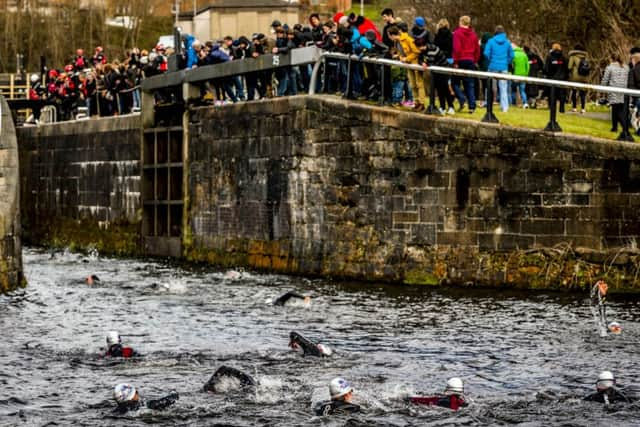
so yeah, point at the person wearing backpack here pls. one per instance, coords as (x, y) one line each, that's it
(579, 70)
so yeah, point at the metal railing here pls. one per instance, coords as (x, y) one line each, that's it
(17, 88)
(489, 116)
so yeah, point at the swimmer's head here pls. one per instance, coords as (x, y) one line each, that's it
(615, 328)
(606, 380)
(293, 340)
(602, 287)
(125, 393)
(92, 279)
(307, 300)
(454, 386)
(340, 389)
(113, 338)
(325, 350)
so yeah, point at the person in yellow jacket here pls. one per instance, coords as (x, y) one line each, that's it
(409, 53)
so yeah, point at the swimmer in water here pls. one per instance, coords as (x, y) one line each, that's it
(115, 347)
(615, 328)
(598, 296)
(292, 298)
(341, 395)
(605, 391)
(453, 397)
(218, 383)
(308, 347)
(128, 399)
(90, 280)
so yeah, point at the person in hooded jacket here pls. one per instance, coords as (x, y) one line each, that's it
(556, 68)
(535, 69)
(409, 54)
(520, 68)
(579, 74)
(217, 56)
(432, 55)
(465, 53)
(499, 54)
(192, 55)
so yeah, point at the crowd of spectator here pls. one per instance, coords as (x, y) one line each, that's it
(108, 88)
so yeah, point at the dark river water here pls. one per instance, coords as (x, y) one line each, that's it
(526, 358)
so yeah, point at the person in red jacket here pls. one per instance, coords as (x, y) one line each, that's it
(453, 397)
(363, 25)
(466, 54)
(115, 347)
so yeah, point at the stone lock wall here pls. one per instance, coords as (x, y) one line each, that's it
(11, 275)
(81, 184)
(315, 185)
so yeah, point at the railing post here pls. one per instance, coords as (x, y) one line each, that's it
(347, 91)
(325, 85)
(553, 125)
(431, 109)
(381, 102)
(489, 117)
(625, 135)
(11, 85)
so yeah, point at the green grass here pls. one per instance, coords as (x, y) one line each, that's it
(594, 123)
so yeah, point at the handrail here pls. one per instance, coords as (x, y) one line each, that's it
(468, 73)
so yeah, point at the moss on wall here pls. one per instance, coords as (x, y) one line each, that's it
(116, 238)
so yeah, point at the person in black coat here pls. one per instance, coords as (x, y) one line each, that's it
(535, 69)
(556, 68)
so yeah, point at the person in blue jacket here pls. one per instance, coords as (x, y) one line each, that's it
(499, 54)
(192, 55)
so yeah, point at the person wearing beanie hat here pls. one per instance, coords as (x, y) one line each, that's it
(420, 22)
(344, 21)
(337, 16)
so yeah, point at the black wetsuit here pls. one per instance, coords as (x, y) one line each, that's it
(610, 395)
(308, 347)
(117, 350)
(336, 407)
(453, 401)
(286, 297)
(156, 404)
(246, 381)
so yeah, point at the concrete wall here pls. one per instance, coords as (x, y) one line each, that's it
(81, 184)
(10, 247)
(318, 186)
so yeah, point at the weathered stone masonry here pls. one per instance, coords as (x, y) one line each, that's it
(10, 244)
(81, 184)
(315, 185)
(320, 186)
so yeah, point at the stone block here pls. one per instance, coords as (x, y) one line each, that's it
(504, 242)
(402, 217)
(542, 226)
(456, 238)
(440, 179)
(422, 234)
